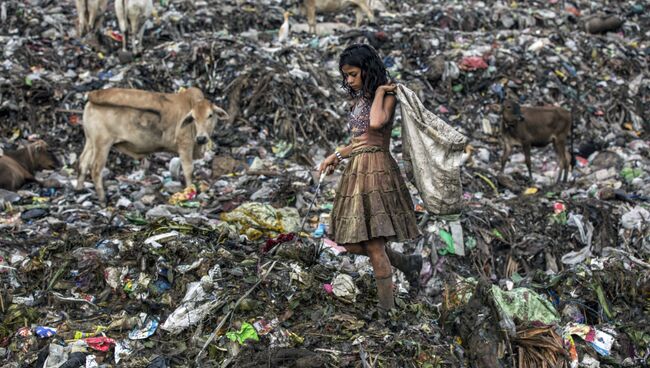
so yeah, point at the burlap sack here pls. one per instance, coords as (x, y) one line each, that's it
(432, 154)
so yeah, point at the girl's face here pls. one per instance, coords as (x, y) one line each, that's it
(352, 76)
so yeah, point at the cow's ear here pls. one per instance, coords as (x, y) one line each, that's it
(187, 120)
(40, 146)
(221, 113)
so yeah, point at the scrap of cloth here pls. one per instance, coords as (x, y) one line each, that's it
(432, 155)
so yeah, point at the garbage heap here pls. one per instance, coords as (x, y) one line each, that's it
(220, 273)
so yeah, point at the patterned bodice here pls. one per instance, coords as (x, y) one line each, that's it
(359, 120)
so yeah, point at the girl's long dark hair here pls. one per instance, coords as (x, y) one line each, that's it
(373, 71)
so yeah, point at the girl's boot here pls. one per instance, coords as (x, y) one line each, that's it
(385, 294)
(410, 265)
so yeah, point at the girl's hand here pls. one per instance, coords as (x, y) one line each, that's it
(328, 165)
(390, 88)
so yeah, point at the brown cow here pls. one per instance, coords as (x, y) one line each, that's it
(310, 7)
(138, 123)
(536, 127)
(18, 167)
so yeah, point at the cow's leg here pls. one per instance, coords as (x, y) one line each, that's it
(362, 7)
(98, 18)
(358, 13)
(311, 15)
(568, 167)
(122, 20)
(526, 148)
(81, 13)
(563, 163)
(144, 164)
(140, 37)
(134, 20)
(507, 149)
(99, 161)
(188, 167)
(124, 40)
(92, 19)
(85, 160)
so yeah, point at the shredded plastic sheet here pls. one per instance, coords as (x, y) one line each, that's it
(344, 288)
(256, 220)
(432, 154)
(525, 305)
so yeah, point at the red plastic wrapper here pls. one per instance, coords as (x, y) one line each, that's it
(116, 36)
(73, 120)
(473, 63)
(282, 238)
(100, 343)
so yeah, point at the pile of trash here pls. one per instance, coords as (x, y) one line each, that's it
(221, 273)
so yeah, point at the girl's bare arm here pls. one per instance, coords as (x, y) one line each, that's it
(383, 107)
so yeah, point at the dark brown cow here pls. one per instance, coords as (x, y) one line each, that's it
(536, 127)
(18, 167)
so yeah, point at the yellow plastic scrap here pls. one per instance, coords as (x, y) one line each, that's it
(531, 190)
(187, 194)
(15, 135)
(489, 182)
(297, 339)
(40, 199)
(78, 335)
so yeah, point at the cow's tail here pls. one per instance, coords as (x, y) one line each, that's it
(574, 121)
(124, 17)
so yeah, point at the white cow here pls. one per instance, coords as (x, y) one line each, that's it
(89, 13)
(131, 17)
(138, 123)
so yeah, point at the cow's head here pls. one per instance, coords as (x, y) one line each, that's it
(511, 112)
(37, 156)
(204, 115)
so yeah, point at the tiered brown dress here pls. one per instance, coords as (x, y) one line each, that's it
(372, 199)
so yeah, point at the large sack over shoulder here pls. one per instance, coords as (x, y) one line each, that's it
(432, 154)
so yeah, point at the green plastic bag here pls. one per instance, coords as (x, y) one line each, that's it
(246, 332)
(449, 240)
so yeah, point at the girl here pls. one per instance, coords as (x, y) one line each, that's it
(372, 204)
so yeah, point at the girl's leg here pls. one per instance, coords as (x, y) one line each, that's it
(376, 249)
(356, 248)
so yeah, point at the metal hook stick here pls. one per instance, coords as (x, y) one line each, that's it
(316, 192)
